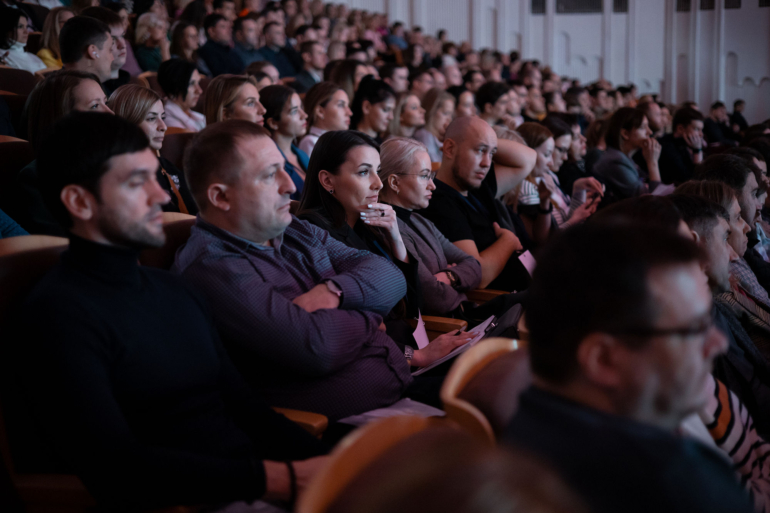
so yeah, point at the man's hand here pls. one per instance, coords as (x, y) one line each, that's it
(443, 277)
(317, 298)
(508, 234)
(440, 347)
(694, 141)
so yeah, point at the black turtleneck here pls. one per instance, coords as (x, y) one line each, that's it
(126, 378)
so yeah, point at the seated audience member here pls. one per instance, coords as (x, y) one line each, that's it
(246, 35)
(716, 126)
(396, 76)
(476, 169)
(554, 102)
(49, 51)
(152, 46)
(61, 93)
(439, 107)
(628, 131)
(348, 75)
(185, 44)
(126, 380)
(573, 166)
(217, 53)
(408, 116)
(299, 311)
(372, 108)
(465, 101)
(611, 380)
(736, 118)
(492, 101)
(226, 8)
(473, 80)
(327, 108)
(654, 115)
(118, 76)
(396, 37)
(314, 61)
(86, 45)
(682, 149)
(743, 369)
(233, 97)
(287, 122)
(180, 80)
(534, 108)
(420, 82)
(275, 50)
(13, 38)
(9, 227)
(596, 143)
(143, 107)
(265, 68)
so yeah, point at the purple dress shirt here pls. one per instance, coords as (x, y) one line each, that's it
(332, 361)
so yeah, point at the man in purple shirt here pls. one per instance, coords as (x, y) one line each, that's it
(299, 312)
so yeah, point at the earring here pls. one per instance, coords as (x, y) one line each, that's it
(331, 191)
(397, 191)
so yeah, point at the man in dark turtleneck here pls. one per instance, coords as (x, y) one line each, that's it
(126, 378)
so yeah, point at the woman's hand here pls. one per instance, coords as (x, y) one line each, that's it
(440, 347)
(651, 150)
(588, 184)
(383, 216)
(584, 211)
(545, 189)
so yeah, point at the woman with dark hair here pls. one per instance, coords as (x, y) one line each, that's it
(185, 44)
(327, 108)
(287, 122)
(573, 167)
(373, 107)
(347, 74)
(341, 196)
(465, 101)
(628, 132)
(180, 81)
(13, 39)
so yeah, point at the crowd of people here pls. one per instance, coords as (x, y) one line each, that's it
(349, 176)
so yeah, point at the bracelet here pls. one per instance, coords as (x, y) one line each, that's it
(292, 484)
(544, 211)
(696, 150)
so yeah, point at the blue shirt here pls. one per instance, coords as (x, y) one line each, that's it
(280, 60)
(9, 228)
(299, 182)
(247, 55)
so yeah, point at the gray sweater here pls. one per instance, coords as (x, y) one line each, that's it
(434, 253)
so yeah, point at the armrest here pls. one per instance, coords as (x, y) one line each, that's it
(481, 296)
(313, 423)
(437, 326)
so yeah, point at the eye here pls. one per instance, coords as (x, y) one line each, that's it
(363, 172)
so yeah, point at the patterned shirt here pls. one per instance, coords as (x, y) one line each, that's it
(332, 361)
(748, 280)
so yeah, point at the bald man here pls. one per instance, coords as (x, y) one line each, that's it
(476, 169)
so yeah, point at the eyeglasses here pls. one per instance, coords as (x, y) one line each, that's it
(698, 329)
(423, 177)
(562, 150)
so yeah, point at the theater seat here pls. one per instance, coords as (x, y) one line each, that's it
(33, 42)
(177, 227)
(437, 326)
(353, 454)
(14, 155)
(481, 296)
(18, 81)
(15, 104)
(152, 79)
(177, 130)
(174, 146)
(480, 392)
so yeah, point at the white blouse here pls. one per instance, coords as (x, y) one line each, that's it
(16, 57)
(177, 117)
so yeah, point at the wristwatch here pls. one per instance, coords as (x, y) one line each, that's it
(409, 353)
(333, 288)
(454, 281)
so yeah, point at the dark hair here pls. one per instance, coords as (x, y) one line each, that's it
(490, 93)
(738, 103)
(468, 77)
(754, 132)
(319, 94)
(596, 131)
(557, 127)
(142, 6)
(194, 13)
(570, 118)
(343, 74)
(274, 98)
(685, 116)
(78, 149)
(717, 105)
(653, 211)
(372, 90)
(387, 70)
(700, 213)
(747, 153)
(217, 4)
(115, 7)
(761, 145)
(717, 192)
(534, 134)
(9, 18)
(268, 25)
(456, 91)
(177, 40)
(307, 47)
(300, 31)
(571, 97)
(625, 118)
(174, 76)
(213, 154)
(329, 153)
(595, 276)
(77, 34)
(729, 169)
(211, 20)
(106, 16)
(416, 74)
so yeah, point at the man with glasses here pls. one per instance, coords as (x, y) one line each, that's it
(621, 347)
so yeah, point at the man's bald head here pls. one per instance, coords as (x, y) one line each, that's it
(467, 126)
(469, 144)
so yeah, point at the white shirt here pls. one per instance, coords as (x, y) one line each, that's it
(16, 57)
(177, 117)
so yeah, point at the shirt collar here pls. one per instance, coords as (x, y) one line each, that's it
(239, 241)
(314, 130)
(402, 213)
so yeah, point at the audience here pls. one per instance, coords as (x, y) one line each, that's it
(118, 76)
(276, 51)
(233, 97)
(614, 377)
(716, 127)
(396, 76)
(682, 150)
(218, 53)
(143, 107)
(246, 35)
(180, 81)
(287, 122)
(152, 46)
(86, 45)
(492, 101)
(373, 108)
(13, 39)
(408, 116)
(314, 61)
(49, 51)
(185, 44)
(737, 119)
(327, 108)
(439, 108)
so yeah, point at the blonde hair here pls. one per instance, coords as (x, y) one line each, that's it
(221, 93)
(394, 128)
(143, 25)
(432, 102)
(396, 155)
(132, 102)
(50, 38)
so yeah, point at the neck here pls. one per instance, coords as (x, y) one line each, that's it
(180, 103)
(114, 73)
(408, 131)
(310, 69)
(626, 148)
(283, 142)
(445, 175)
(391, 198)
(364, 127)
(489, 119)
(351, 217)
(230, 225)
(188, 54)
(245, 45)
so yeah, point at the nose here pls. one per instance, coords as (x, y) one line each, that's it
(716, 343)
(162, 126)
(302, 115)
(156, 195)
(431, 186)
(261, 108)
(286, 186)
(376, 183)
(746, 228)
(348, 112)
(486, 160)
(107, 109)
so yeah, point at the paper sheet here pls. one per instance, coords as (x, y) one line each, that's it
(528, 261)
(478, 332)
(403, 407)
(420, 335)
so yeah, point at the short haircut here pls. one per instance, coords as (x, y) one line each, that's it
(593, 278)
(274, 99)
(268, 25)
(468, 77)
(106, 16)
(685, 116)
(222, 93)
(307, 46)
(490, 93)
(415, 75)
(238, 23)
(718, 105)
(625, 118)
(174, 76)
(718, 192)
(570, 118)
(748, 153)
(300, 31)
(319, 94)
(653, 211)
(78, 34)
(132, 102)
(729, 169)
(387, 70)
(700, 213)
(211, 20)
(557, 127)
(762, 145)
(457, 91)
(78, 149)
(572, 96)
(738, 103)
(213, 155)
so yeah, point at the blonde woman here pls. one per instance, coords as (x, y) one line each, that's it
(49, 42)
(143, 107)
(439, 107)
(233, 97)
(152, 45)
(408, 116)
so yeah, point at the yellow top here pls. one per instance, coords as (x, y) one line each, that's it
(48, 59)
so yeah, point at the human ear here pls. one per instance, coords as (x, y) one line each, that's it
(78, 201)
(450, 148)
(326, 180)
(217, 194)
(599, 357)
(366, 107)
